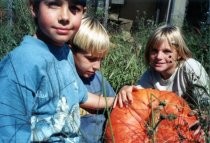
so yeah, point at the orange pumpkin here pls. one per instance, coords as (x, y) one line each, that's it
(154, 117)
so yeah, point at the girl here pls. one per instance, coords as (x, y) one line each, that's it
(171, 67)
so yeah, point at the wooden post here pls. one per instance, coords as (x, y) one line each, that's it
(178, 12)
(106, 14)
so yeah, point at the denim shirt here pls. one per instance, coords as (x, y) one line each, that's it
(40, 94)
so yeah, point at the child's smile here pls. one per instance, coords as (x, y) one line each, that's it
(163, 59)
(58, 20)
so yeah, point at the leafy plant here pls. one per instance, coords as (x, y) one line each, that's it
(21, 24)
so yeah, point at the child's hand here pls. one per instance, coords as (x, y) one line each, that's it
(124, 96)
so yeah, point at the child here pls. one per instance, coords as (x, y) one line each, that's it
(90, 46)
(172, 68)
(40, 88)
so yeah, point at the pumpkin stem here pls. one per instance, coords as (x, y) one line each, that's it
(156, 117)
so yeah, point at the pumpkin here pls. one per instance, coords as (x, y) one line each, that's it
(153, 117)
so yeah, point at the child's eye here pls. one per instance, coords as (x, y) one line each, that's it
(153, 50)
(94, 59)
(167, 51)
(75, 9)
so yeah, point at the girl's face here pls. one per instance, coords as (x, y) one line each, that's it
(87, 64)
(163, 59)
(58, 20)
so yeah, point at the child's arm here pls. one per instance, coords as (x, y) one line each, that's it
(197, 80)
(97, 102)
(124, 96)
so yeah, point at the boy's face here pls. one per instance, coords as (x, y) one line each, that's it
(58, 20)
(87, 64)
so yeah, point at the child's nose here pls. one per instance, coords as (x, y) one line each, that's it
(96, 65)
(159, 55)
(64, 16)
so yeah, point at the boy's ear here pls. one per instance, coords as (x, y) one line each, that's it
(85, 10)
(33, 10)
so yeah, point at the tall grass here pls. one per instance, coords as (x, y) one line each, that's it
(198, 40)
(124, 63)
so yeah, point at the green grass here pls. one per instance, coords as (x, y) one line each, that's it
(124, 63)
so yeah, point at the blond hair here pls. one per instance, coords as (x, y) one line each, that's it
(91, 37)
(175, 39)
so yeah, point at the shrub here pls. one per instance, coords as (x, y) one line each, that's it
(21, 24)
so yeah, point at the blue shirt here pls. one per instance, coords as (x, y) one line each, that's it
(92, 125)
(40, 92)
